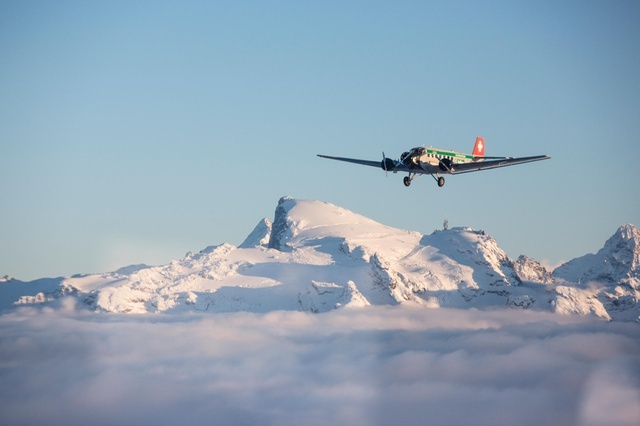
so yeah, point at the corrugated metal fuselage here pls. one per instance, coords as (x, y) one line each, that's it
(433, 160)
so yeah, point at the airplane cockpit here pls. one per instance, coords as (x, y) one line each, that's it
(410, 158)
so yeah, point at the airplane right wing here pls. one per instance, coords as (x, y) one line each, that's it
(477, 166)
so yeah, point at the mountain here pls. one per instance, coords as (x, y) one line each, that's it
(618, 260)
(316, 257)
(610, 278)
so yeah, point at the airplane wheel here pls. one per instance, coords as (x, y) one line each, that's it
(407, 181)
(440, 181)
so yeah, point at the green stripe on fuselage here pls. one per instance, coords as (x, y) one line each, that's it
(450, 154)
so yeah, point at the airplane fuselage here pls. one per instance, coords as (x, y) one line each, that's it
(429, 159)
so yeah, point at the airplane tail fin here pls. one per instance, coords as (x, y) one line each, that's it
(478, 148)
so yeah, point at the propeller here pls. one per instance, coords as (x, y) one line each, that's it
(384, 165)
(388, 164)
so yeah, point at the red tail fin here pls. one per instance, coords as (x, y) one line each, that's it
(478, 149)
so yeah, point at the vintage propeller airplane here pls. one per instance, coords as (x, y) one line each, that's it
(435, 161)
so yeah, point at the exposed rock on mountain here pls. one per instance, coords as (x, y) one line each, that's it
(531, 270)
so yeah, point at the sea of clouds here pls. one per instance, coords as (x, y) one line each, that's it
(369, 366)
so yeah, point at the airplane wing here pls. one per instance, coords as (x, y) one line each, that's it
(354, 160)
(393, 166)
(494, 164)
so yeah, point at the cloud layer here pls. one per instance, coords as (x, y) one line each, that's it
(360, 366)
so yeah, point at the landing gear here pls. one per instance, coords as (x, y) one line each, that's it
(438, 179)
(407, 179)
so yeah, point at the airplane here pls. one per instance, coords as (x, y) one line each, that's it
(435, 161)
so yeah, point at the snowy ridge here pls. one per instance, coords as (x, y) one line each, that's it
(610, 279)
(619, 259)
(316, 257)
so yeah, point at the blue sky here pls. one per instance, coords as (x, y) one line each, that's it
(133, 132)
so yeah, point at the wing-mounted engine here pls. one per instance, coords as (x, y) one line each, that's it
(446, 164)
(387, 164)
(411, 158)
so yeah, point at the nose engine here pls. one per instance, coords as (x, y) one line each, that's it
(412, 158)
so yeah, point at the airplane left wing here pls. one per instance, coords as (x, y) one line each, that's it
(386, 164)
(494, 164)
(354, 160)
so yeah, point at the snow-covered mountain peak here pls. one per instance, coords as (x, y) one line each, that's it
(260, 235)
(131, 269)
(628, 232)
(297, 221)
(619, 259)
(478, 250)
(468, 240)
(624, 246)
(611, 277)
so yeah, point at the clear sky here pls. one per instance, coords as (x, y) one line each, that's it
(134, 131)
